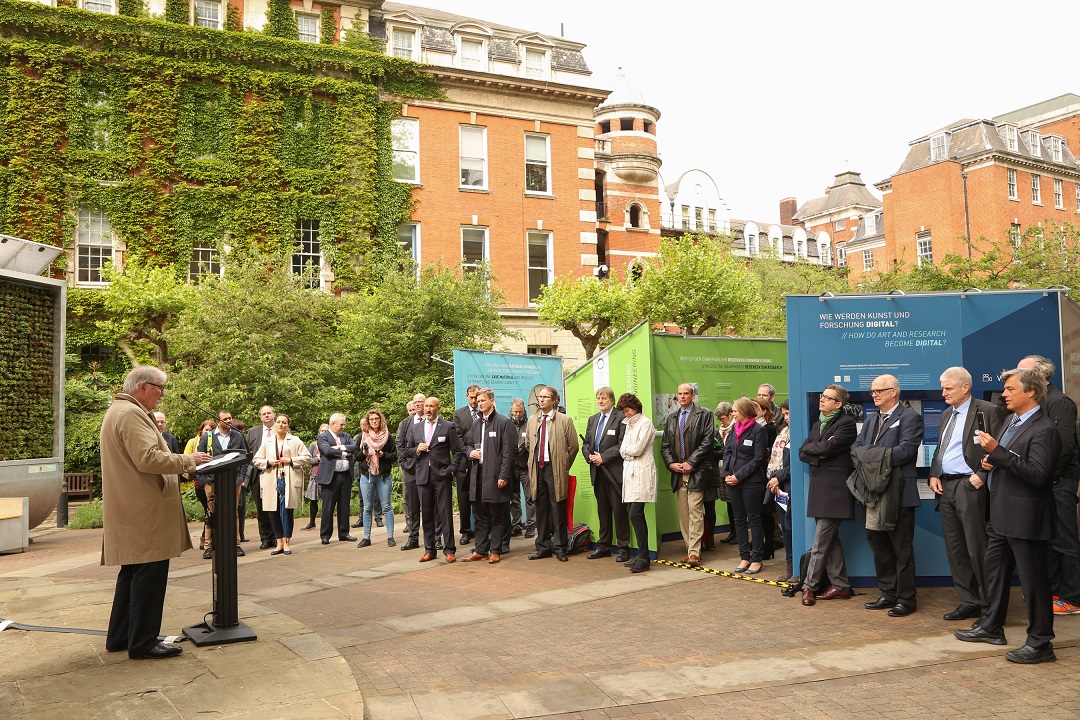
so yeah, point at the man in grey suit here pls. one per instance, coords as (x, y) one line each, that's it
(463, 419)
(960, 485)
(603, 436)
(255, 437)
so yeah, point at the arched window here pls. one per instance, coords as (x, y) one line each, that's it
(635, 216)
(634, 270)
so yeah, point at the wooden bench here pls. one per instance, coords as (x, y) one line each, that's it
(80, 485)
(14, 524)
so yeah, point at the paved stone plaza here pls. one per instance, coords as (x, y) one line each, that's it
(354, 633)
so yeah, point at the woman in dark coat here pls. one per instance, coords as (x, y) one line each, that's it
(746, 456)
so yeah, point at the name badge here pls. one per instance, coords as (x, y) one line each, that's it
(748, 443)
(441, 438)
(525, 435)
(611, 432)
(491, 433)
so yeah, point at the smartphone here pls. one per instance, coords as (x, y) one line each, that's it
(980, 421)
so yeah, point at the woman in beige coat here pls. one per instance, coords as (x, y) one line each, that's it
(282, 460)
(639, 474)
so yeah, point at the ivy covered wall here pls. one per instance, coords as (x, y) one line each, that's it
(183, 134)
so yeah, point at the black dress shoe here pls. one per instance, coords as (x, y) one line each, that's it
(378, 522)
(622, 556)
(325, 541)
(515, 532)
(346, 538)
(503, 549)
(639, 564)
(963, 612)
(977, 634)
(597, 554)
(880, 604)
(309, 526)
(410, 545)
(439, 544)
(358, 524)
(267, 545)
(366, 542)
(530, 532)
(1028, 655)
(901, 611)
(161, 650)
(562, 557)
(240, 551)
(243, 539)
(208, 553)
(539, 555)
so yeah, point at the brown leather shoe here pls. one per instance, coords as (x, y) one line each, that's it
(834, 593)
(693, 561)
(451, 557)
(685, 558)
(494, 558)
(808, 597)
(427, 557)
(474, 557)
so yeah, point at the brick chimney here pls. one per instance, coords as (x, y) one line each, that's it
(788, 206)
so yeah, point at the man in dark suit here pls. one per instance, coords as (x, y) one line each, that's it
(1021, 470)
(171, 440)
(432, 449)
(410, 497)
(687, 449)
(463, 420)
(603, 436)
(218, 442)
(1064, 558)
(960, 485)
(827, 451)
(897, 426)
(490, 449)
(522, 517)
(335, 478)
(255, 437)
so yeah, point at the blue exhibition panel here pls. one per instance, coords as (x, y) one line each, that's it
(852, 339)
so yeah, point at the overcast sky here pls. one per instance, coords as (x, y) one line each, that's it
(773, 99)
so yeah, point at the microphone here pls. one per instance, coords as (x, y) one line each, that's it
(212, 416)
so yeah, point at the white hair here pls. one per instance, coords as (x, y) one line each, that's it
(142, 374)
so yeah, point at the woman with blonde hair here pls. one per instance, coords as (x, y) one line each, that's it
(746, 455)
(282, 459)
(376, 453)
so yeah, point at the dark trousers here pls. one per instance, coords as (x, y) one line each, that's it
(1003, 555)
(609, 504)
(963, 526)
(138, 604)
(550, 514)
(335, 494)
(784, 516)
(1064, 558)
(282, 529)
(411, 497)
(437, 508)
(636, 517)
(894, 559)
(522, 517)
(708, 542)
(241, 512)
(490, 527)
(464, 501)
(266, 531)
(746, 506)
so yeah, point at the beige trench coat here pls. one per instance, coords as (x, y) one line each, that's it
(639, 465)
(293, 448)
(141, 507)
(563, 448)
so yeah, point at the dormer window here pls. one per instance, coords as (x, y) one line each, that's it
(939, 146)
(471, 55)
(1011, 140)
(403, 44)
(1035, 143)
(100, 6)
(871, 224)
(536, 64)
(1056, 148)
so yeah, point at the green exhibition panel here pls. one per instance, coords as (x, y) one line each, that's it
(652, 365)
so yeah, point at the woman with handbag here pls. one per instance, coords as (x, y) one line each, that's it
(282, 460)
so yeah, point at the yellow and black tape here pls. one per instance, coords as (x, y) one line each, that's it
(724, 573)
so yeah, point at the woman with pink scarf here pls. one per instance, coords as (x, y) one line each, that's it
(746, 455)
(375, 456)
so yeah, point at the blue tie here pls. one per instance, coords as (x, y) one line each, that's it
(1005, 438)
(600, 430)
(682, 432)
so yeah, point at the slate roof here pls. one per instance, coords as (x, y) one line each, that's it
(848, 190)
(787, 233)
(861, 237)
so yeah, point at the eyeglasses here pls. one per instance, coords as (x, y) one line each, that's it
(878, 392)
(159, 387)
(829, 398)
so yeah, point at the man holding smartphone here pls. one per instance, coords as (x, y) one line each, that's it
(960, 485)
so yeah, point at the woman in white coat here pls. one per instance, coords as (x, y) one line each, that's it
(639, 474)
(282, 460)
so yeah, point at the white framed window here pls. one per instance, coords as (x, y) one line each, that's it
(799, 245)
(753, 243)
(208, 14)
(472, 54)
(474, 247)
(307, 261)
(1078, 197)
(841, 256)
(408, 238)
(100, 6)
(1011, 141)
(924, 246)
(94, 245)
(536, 64)
(540, 350)
(540, 262)
(871, 224)
(1059, 195)
(685, 217)
(473, 156)
(1014, 234)
(308, 27)
(405, 138)
(1035, 143)
(698, 218)
(537, 163)
(1056, 149)
(939, 147)
(868, 259)
(205, 260)
(403, 44)
(1013, 193)
(839, 225)
(824, 253)
(1036, 189)
(712, 221)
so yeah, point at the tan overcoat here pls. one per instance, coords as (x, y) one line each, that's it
(142, 511)
(293, 448)
(562, 448)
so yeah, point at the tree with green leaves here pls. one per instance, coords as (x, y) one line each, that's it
(280, 20)
(596, 311)
(140, 305)
(777, 278)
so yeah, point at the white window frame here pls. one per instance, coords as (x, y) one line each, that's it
(548, 268)
(939, 147)
(870, 224)
(536, 164)
(839, 225)
(205, 260)
(94, 247)
(105, 7)
(841, 255)
(684, 217)
(401, 51)
(1015, 235)
(310, 248)
(480, 64)
(924, 247)
(1056, 149)
(1035, 143)
(753, 243)
(316, 36)
(462, 158)
(824, 253)
(868, 259)
(712, 221)
(1036, 189)
(1014, 193)
(213, 23)
(1059, 196)
(1012, 141)
(1078, 197)
(467, 266)
(407, 153)
(540, 349)
(532, 71)
(413, 247)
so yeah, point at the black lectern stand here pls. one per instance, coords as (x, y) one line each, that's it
(226, 626)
